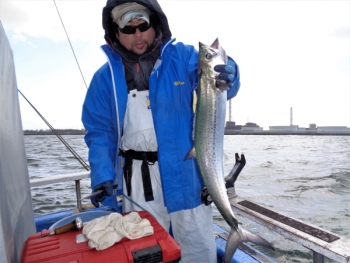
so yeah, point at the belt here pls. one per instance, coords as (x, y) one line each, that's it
(147, 158)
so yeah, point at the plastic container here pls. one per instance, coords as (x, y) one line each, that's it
(66, 248)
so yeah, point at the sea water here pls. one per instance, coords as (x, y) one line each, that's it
(306, 177)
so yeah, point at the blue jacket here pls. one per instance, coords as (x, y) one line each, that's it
(171, 86)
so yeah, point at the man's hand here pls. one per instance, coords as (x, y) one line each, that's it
(227, 72)
(107, 190)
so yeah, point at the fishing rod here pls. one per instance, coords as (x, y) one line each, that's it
(70, 44)
(76, 155)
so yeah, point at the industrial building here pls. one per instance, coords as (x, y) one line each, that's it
(253, 128)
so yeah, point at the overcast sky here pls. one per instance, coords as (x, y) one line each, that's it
(290, 54)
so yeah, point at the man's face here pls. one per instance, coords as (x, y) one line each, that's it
(138, 42)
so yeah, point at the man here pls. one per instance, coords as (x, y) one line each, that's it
(139, 119)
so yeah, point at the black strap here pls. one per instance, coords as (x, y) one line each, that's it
(128, 174)
(146, 179)
(147, 158)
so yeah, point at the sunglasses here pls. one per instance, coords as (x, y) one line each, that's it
(132, 29)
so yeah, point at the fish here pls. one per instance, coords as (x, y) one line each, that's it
(209, 127)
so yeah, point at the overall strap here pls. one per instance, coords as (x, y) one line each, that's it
(147, 158)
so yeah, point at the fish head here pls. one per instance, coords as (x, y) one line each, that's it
(209, 57)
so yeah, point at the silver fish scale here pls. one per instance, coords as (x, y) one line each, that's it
(209, 131)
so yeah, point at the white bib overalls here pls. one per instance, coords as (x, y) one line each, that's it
(139, 135)
(188, 226)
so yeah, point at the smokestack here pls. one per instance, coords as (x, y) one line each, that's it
(291, 116)
(229, 110)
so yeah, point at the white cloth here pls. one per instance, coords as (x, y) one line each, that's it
(105, 231)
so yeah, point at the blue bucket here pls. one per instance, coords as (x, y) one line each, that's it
(85, 217)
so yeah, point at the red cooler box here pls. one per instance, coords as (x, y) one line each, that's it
(63, 248)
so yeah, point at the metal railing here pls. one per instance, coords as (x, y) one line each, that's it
(321, 242)
(76, 177)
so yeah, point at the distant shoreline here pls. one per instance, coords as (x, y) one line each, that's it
(227, 132)
(311, 133)
(59, 131)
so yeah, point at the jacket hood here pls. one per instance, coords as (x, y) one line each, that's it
(152, 5)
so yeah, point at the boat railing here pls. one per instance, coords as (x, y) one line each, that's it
(321, 242)
(76, 177)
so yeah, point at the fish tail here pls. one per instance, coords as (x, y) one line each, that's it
(232, 243)
(258, 240)
(242, 235)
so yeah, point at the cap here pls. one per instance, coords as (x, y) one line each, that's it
(122, 14)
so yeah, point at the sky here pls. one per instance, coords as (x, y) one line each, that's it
(291, 54)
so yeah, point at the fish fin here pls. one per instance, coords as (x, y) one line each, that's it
(242, 235)
(221, 51)
(191, 154)
(233, 241)
(258, 240)
(215, 44)
(221, 85)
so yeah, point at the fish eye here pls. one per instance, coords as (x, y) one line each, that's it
(208, 56)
